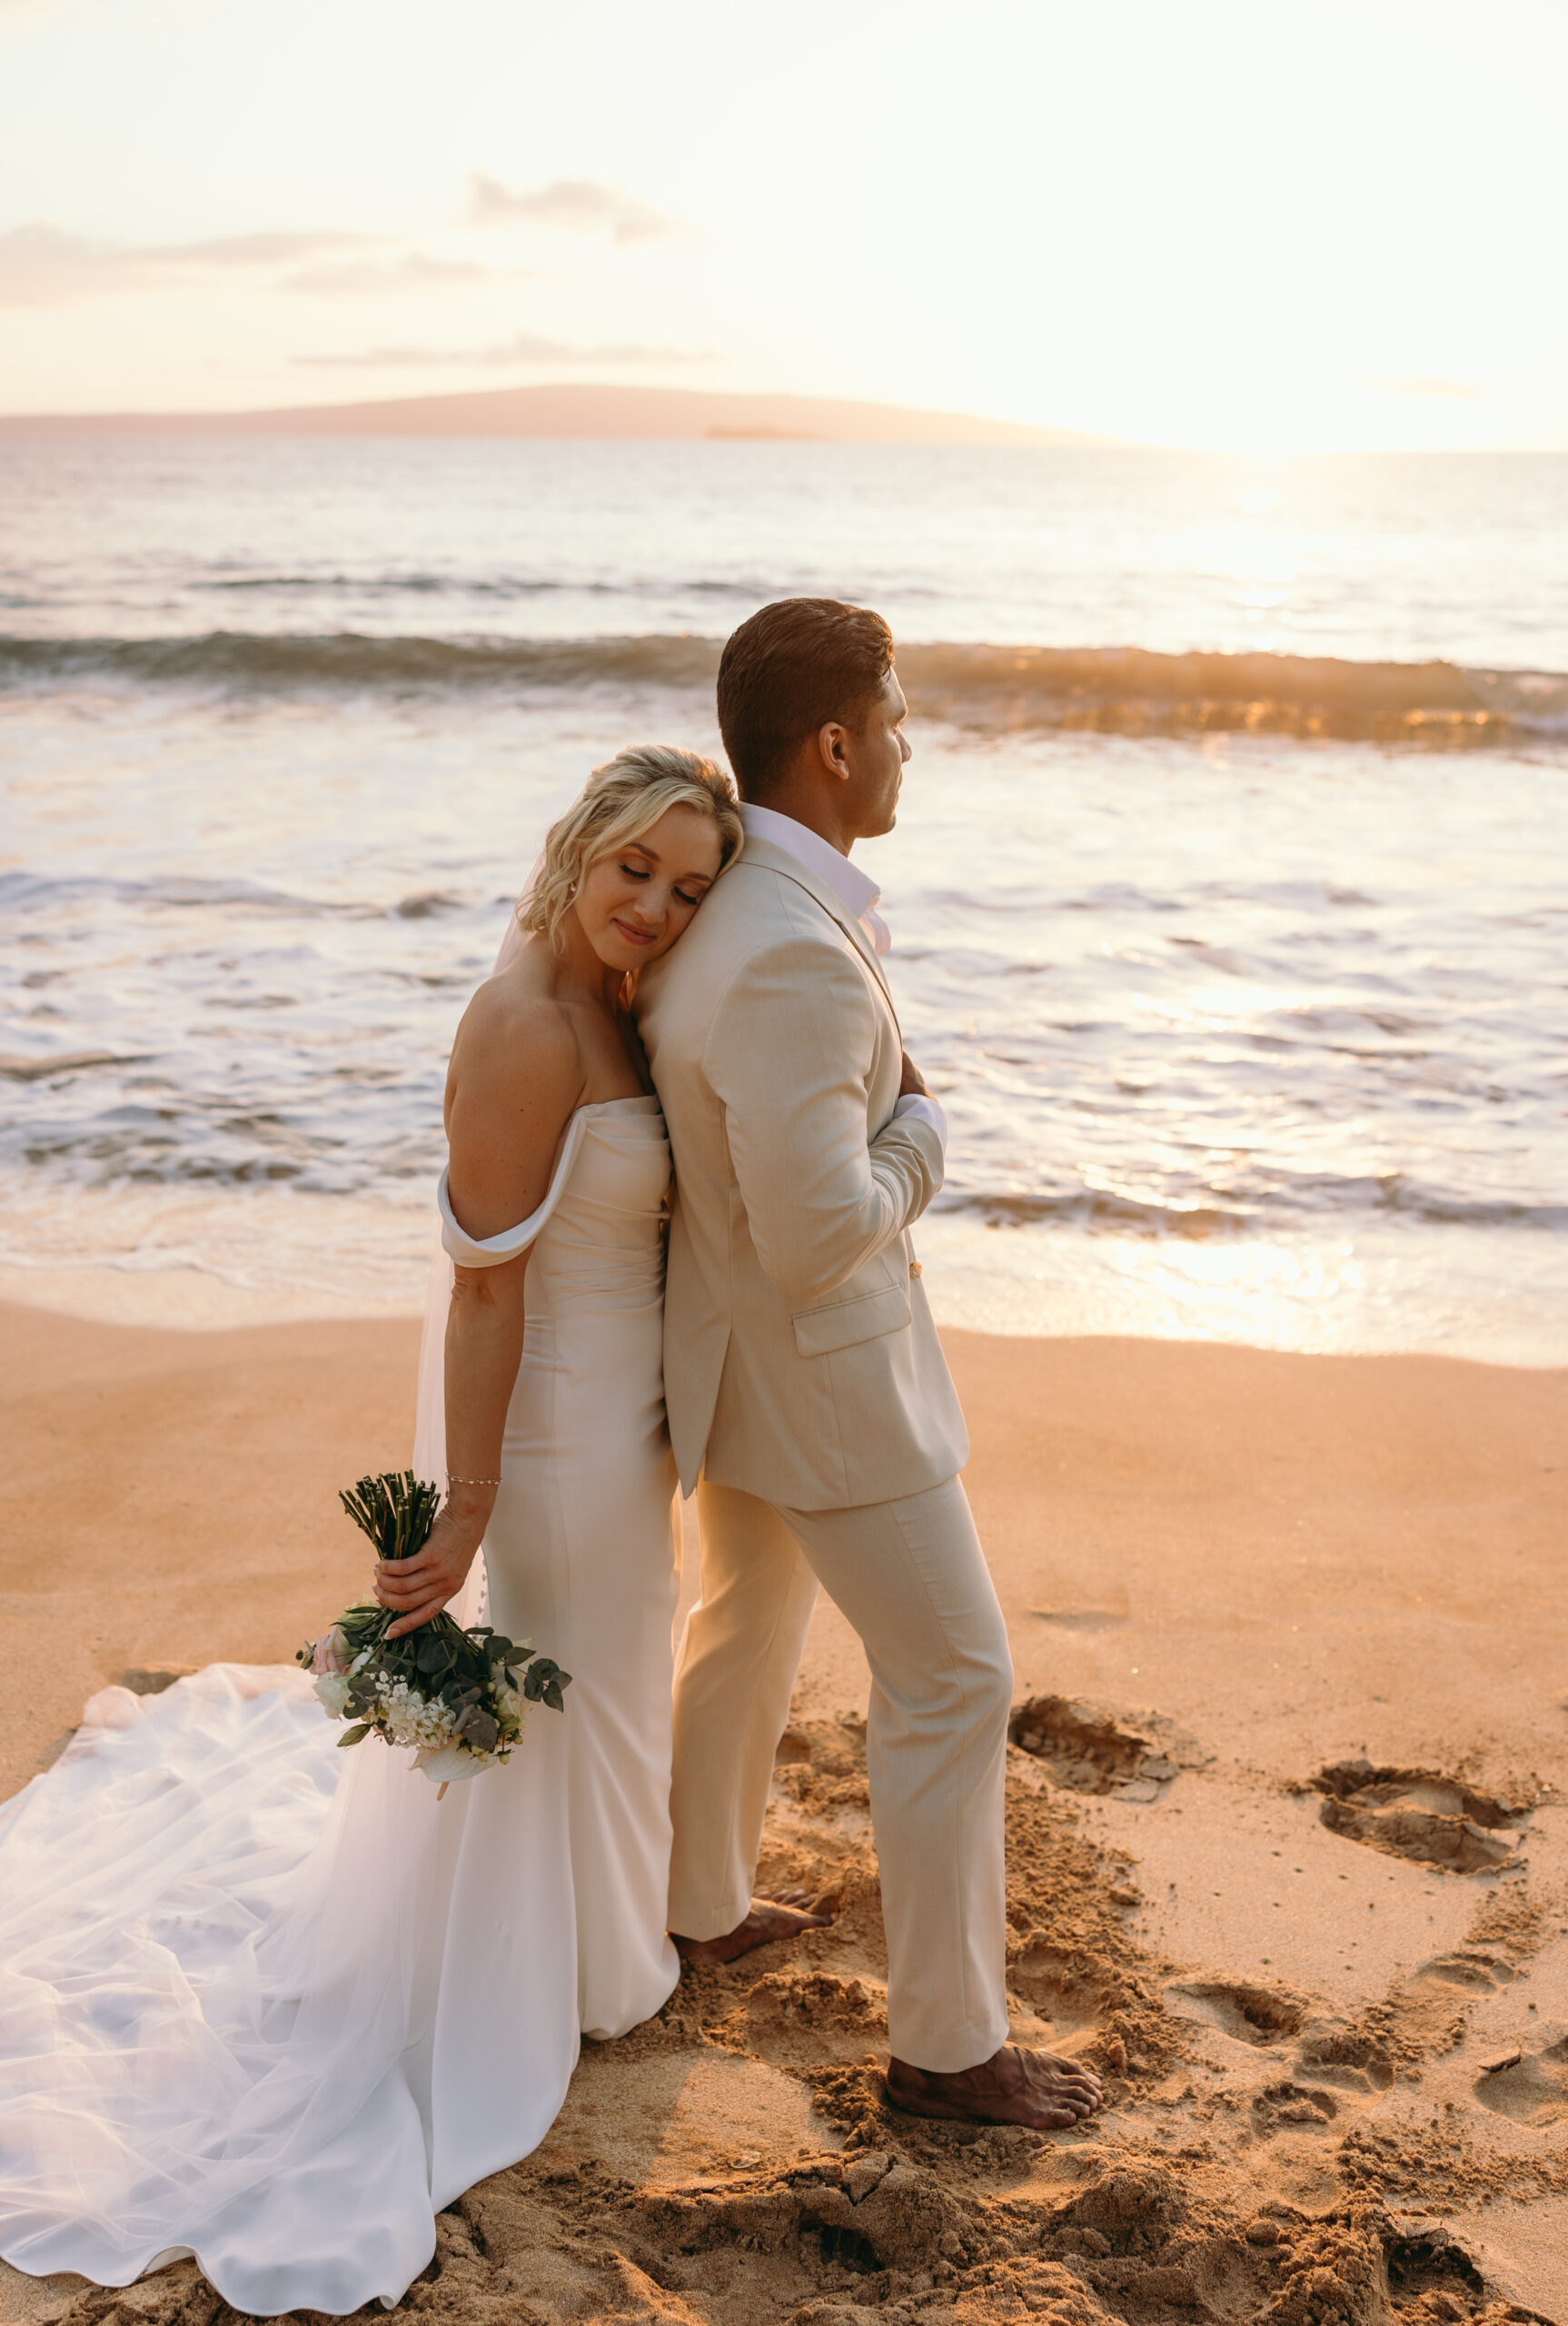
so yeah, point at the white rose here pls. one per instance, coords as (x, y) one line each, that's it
(447, 1763)
(333, 1692)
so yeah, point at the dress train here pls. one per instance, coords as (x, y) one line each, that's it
(274, 2004)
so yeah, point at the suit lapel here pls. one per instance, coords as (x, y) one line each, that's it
(774, 859)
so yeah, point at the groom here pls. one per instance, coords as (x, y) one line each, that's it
(806, 1385)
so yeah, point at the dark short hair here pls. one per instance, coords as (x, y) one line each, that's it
(789, 670)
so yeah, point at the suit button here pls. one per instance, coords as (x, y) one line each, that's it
(915, 1267)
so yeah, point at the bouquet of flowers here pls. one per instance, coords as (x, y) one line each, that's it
(460, 1697)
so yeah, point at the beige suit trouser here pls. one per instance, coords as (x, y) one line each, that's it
(911, 1577)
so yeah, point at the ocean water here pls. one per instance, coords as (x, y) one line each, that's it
(1227, 893)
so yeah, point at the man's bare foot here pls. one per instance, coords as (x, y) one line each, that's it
(1013, 2087)
(784, 1916)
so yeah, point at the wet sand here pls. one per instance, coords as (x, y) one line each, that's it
(1288, 1846)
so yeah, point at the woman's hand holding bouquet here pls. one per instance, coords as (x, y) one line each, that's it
(459, 1698)
(416, 1587)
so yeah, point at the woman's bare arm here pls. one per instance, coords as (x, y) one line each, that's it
(515, 1079)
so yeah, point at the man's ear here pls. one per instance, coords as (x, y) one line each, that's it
(830, 746)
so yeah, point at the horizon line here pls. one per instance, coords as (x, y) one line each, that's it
(590, 409)
(607, 411)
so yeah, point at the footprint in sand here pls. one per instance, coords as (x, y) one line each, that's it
(800, 2018)
(1532, 2089)
(1293, 2107)
(1427, 2012)
(1086, 1750)
(1256, 2015)
(1418, 1813)
(1431, 2267)
(1349, 2057)
(1423, 2015)
(1058, 1984)
(1480, 1974)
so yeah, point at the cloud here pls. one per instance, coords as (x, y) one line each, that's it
(253, 250)
(42, 266)
(1423, 388)
(579, 206)
(527, 348)
(372, 278)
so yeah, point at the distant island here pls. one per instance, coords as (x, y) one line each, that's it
(588, 410)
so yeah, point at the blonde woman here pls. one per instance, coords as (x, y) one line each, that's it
(548, 1054)
(282, 2037)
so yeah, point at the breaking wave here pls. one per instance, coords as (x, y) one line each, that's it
(1115, 690)
(241, 663)
(1131, 690)
(1286, 1198)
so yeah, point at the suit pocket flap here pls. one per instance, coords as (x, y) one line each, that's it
(819, 1331)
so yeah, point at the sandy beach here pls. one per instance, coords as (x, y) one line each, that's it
(1288, 1851)
(399, 428)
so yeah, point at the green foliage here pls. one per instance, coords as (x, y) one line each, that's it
(543, 1682)
(440, 1660)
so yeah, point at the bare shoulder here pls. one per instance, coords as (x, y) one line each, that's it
(517, 1074)
(513, 1032)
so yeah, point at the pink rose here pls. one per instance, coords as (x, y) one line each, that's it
(330, 1654)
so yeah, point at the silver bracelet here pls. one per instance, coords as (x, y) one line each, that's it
(452, 1481)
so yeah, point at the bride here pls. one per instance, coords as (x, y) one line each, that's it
(275, 2006)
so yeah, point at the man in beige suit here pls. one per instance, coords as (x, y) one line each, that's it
(806, 1385)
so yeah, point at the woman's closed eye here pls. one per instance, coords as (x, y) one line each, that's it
(639, 872)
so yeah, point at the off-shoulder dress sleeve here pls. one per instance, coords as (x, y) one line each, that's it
(491, 1251)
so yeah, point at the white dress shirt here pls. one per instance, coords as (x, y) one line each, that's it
(853, 888)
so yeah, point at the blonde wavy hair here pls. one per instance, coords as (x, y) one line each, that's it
(621, 800)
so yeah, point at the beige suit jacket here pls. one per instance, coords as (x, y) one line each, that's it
(800, 1360)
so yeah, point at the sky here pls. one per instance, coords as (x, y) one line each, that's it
(1250, 224)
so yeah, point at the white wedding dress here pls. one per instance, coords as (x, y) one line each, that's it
(274, 2005)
